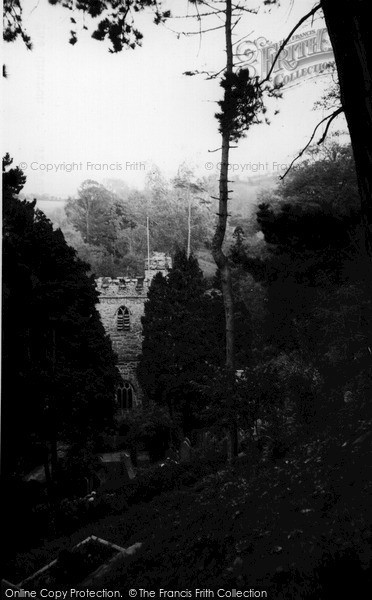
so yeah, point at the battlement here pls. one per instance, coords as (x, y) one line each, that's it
(123, 286)
(139, 286)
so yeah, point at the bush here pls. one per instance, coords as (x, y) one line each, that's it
(288, 382)
(152, 430)
(78, 464)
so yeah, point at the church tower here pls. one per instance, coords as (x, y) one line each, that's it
(121, 306)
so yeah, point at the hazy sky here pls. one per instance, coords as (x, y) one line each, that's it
(80, 104)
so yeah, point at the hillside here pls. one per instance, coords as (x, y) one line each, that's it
(298, 527)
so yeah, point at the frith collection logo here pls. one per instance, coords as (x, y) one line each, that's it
(307, 54)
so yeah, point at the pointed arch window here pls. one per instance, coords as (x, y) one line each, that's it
(123, 319)
(125, 397)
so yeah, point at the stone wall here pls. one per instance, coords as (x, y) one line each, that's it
(128, 371)
(131, 294)
(127, 344)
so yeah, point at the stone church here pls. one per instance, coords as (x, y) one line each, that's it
(121, 306)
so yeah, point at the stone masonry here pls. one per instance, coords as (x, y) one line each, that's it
(121, 306)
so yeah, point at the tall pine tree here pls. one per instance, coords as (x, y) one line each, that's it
(183, 336)
(59, 371)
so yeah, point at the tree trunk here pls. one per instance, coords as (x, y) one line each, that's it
(189, 224)
(348, 23)
(87, 229)
(48, 477)
(54, 455)
(50, 489)
(220, 258)
(53, 410)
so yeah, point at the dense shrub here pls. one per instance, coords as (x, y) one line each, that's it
(152, 429)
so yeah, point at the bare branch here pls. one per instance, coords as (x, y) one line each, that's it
(329, 118)
(235, 24)
(200, 22)
(210, 75)
(285, 42)
(199, 15)
(201, 31)
(252, 11)
(333, 116)
(243, 38)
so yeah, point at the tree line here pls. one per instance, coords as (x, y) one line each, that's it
(107, 223)
(302, 312)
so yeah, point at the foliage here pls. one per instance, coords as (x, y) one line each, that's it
(79, 462)
(182, 337)
(116, 21)
(296, 521)
(302, 523)
(55, 346)
(107, 224)
(98, 216)
(287, 386)
(12, 23)
(314, 274)
(152, 429)
(241, 104)
(240, 392)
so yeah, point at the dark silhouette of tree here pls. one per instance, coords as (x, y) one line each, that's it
(111, 20)
(59, 371)
(318, 308)
(183, 335)
(348, 26)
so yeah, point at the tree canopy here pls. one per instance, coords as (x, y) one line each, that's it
(318, 309)
(59, 371)
(107, 224)
(183, 336)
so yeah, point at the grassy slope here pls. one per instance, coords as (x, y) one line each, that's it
(299, 527)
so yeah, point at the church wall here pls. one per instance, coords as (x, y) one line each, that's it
(132, 294)
(126, 344)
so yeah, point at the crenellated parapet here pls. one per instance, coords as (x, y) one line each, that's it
(123, 287)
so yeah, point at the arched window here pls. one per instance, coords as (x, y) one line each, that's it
(123, 319)
(125, 396)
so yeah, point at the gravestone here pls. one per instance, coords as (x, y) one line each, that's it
(185, 450)
(116, 470)
(129, 466)
(88, 485)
